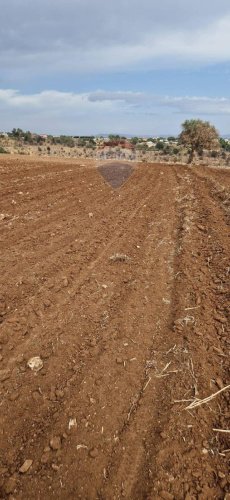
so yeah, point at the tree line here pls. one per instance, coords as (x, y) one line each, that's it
(196, 136)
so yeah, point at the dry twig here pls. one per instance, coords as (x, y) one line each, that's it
(199, 402)
(225, 431)
(147, 383)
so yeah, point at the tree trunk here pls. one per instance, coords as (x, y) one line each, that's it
(191, 156)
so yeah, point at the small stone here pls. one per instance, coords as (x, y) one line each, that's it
(65, 282)
(1, 357)
(60, 394)
(26, 466)
(10, 485)
(55, 467)
(93, 453)
(35, 363)
(119, 361)
(55, 443)
(221, 475)
(163, 435)
(202, 228)
(219, 383)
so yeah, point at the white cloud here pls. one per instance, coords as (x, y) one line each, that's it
(199, 105)
(103, 111)
(193, 104)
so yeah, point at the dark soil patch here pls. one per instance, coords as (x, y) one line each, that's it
(116, 173)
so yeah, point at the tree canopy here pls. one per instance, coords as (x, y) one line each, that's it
(199, 135)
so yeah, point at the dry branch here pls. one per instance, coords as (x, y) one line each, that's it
(200, 402)
(225, 431)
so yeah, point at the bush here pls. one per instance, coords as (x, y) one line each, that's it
(3, 151)
(160, 146)
(176, 151)
(214, 154)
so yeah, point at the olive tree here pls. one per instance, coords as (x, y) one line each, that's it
(198, 135)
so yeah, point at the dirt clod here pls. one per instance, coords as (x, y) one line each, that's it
(55, 443)
(93, 453)
(10, 485)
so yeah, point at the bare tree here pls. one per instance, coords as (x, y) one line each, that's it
(198, 135)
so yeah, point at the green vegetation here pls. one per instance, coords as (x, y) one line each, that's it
(114, 137)
(64, 140)
(225, 145)
(3, 151)
(134, 140)
(198, 135)
(160, 145)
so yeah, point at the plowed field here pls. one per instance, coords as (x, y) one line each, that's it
(122, 294)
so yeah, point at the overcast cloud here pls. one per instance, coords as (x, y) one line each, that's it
(94, 35)
(45, 40)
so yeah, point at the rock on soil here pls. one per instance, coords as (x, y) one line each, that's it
(26, 466)
(35, 364)
(55, 443)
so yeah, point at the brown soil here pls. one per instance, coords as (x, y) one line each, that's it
(126, 343)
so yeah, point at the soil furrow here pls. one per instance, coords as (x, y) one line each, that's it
(131, 324)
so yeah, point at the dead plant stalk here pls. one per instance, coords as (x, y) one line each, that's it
(200, 402)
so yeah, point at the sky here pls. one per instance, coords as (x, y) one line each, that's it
(130, 67)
